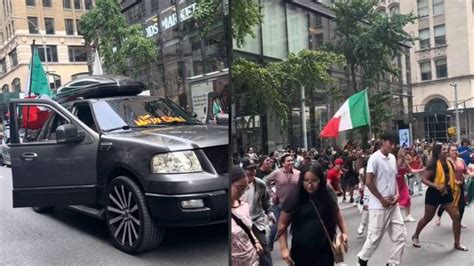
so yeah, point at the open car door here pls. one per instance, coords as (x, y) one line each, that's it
(53, 155)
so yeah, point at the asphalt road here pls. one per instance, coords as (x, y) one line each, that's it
(66, 237)
(437, 242)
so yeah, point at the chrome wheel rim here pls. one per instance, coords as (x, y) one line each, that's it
(124, 217)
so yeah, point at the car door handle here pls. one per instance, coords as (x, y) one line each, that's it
(29, 156)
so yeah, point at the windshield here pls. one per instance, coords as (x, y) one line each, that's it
(139, 112)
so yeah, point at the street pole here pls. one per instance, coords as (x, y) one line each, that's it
(458, 129)
(303, 120)
(44, 45)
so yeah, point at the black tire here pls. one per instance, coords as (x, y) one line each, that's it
(125, 211)
(43, 209)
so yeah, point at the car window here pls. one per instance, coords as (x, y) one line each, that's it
(140, 111)
(39, 123)
(83, 112)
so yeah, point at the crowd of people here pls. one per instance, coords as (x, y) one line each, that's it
(297, 193)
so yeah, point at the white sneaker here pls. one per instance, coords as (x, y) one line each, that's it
(410, 218)
(360, 230)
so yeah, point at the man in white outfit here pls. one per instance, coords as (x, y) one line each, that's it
(384, 211)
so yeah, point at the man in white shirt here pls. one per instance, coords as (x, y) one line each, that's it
(384, 211)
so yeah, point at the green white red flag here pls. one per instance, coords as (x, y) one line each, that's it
(353, 113)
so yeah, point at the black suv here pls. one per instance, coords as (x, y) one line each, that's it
(141, 163)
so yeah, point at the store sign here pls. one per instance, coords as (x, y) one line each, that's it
(153, 29)
(184, 14)
(199, 94)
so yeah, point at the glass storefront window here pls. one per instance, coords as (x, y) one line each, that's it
(298, 37)
(274, 30)
(252, 45)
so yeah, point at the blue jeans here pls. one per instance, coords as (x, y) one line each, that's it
(273, 227)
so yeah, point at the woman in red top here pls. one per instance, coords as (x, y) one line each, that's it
(403, 168)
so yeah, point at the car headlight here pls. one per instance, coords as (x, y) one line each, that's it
(176, 162)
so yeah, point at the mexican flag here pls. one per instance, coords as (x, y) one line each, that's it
(353, 113)
(37, 82)
(38, 87)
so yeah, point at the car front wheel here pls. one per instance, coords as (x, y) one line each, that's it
(128, 220)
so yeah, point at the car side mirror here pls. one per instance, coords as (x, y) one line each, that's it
(194, 115)
(68, 134)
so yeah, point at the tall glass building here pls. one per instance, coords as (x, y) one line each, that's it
(190, 66)
(288, 27)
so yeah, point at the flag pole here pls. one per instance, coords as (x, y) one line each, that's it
(31, 66)
(368, 115)
(29, 88)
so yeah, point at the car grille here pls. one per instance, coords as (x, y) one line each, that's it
(219, 157)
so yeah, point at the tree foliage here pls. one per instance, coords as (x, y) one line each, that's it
(275, 86)
(245, 15)
(370, 41)
(120, 45)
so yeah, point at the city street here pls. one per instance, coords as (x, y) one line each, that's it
(437, 242)
(65, 237)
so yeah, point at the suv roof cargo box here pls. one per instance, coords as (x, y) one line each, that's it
(100, 86)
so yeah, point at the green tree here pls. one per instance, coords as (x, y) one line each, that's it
(370, 41)
(276, 86)
(245, 16)
(121, 46)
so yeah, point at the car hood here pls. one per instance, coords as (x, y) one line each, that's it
(174, 138)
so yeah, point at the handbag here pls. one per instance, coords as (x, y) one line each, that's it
(337, 244)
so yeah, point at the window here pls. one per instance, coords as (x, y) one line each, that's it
(83, 112)
(16, 87)
(3, 66)
(88, 4)
(79, 32)
(77, 54)
(154, 4)
(395, 10)
(33, 25)
(5, 88)
(47, 3)
(297, 23)
(42, 126)
(56, 81)
(382, 12)
(422, 8)
(424, 36)
(69, 24)
(440, 35)
(77, 4)
(51, 51)
(31, 2)
(143, 7)
(438, 7)
(441, 68)
(49, 25)
(274, 30)
(67, 4)
(13, 58)
(425, 71)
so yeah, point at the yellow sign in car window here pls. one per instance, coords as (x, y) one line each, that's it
(145, 120)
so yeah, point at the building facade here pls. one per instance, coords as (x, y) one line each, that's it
(288, 27)
(53, 25)
(442, 59)
(192, 67)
